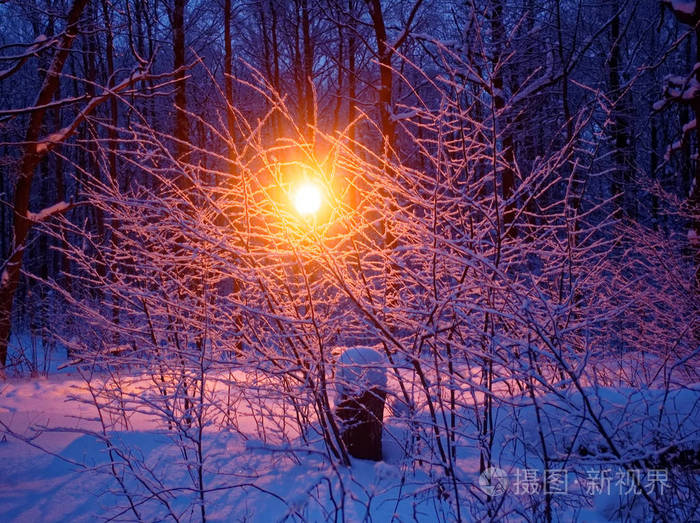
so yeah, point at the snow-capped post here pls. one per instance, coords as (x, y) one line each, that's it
(361, 387)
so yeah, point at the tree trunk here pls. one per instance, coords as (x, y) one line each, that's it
(361, 423)
(352, 80)
(508, 155)
(694, 197)
(386, 76)
(309, 116)
(182, 128)
(30, 159)
(228, 71)
(619, 130)
(384, 101)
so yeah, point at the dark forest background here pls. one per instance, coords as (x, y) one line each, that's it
(613, 84)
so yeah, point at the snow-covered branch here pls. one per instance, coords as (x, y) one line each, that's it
(47, 143)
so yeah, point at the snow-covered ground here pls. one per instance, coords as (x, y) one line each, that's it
(66, 475)
(72, 471)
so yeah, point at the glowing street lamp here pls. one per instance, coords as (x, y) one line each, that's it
(307, 198)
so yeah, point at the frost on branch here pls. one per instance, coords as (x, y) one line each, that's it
(48, 211)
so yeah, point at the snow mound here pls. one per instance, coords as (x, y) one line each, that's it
(359, 369)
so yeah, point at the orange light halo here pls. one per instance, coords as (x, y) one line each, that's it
(307, 198)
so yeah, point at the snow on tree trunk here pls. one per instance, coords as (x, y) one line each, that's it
(361, 389)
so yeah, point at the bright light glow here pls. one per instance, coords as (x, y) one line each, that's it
(307, 198)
